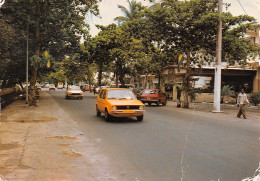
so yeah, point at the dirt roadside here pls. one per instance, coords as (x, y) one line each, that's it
(43, 143)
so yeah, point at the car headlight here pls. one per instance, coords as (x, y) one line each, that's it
(113, 108)
(141, 107)
(81, 93)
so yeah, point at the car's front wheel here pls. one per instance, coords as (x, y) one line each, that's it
(140, 118)
(97, 111)
(107, 116)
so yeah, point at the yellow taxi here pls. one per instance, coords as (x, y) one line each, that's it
(119, 102)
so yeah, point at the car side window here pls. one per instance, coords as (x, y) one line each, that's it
(100, 94)
(104, 94)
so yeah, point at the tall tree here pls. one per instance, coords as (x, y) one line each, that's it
(54, 25)
(131, 13)
(190, 26)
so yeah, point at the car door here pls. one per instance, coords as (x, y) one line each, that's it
(103, 99)
(99, 101)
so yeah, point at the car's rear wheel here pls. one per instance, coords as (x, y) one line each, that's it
(140, 118)
(107, 116)
(97, 111)
(158, 103)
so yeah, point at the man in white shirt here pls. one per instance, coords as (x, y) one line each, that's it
(241, 102)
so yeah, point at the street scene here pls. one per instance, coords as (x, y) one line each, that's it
(130, 90)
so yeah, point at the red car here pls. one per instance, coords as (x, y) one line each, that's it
(153, 96)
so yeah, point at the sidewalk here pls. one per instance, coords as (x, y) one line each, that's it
(253, 112)
(43, 143)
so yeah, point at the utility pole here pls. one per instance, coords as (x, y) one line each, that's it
(27, 61)
(217, 83)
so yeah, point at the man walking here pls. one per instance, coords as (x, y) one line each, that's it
(241, 101)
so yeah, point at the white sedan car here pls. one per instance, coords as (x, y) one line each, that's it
(74, 92)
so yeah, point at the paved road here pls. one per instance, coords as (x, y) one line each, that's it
(171, 144)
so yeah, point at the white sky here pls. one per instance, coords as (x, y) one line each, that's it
(109, 10)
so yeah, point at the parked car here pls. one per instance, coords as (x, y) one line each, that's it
(74, 92)
(138, 93)
(118, 102)
(52, 87)
(153, 96)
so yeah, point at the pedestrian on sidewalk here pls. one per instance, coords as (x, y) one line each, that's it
(241, 102)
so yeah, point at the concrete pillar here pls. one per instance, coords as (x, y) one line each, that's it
(256, 81)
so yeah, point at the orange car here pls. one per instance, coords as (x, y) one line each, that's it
(117, 102)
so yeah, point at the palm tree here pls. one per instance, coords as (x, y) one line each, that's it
(226, 91)
(129, 14)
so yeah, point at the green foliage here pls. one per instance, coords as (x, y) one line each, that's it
(192, 94)
(227, 91)
(55, 26)
(130, 14)
(55, 77)
(255, 98)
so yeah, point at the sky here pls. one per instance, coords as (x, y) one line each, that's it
(109, 10)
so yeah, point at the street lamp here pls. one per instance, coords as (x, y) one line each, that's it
(217, 81)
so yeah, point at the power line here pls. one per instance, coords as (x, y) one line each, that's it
(242, 6)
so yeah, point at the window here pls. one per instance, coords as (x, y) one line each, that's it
(101, 93)
(120, 94)
(150, 92)
(104, 94)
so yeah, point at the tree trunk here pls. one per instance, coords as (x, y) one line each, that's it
(100, 75)
(116, 79)
(32, 97)
(121, 78)
(89, 80)
(159, 81)
(186, 83)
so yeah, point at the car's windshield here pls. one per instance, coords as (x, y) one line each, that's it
(120, 94)
(74, 88)
(149, 92)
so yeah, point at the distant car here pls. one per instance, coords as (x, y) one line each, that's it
(88, 88)
(39, 87)
(155, 96)
(74, 92)
(97, 89)
(52, 87)
(47, 85)
(117, 102)
(60, 86)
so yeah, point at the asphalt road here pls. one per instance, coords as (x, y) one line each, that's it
(171, 144)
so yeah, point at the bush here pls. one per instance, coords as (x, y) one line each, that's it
(255, 98)
(226, 91)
